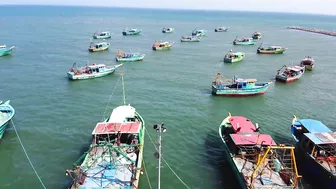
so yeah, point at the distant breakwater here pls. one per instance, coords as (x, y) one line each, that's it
(324, 32)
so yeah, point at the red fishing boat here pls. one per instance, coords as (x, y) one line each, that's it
(289, 73)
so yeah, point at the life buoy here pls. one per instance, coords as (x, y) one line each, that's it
(331, 158)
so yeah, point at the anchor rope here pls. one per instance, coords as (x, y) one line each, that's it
(24, 150)
(164, 160)
(147, 176)
(108, 102)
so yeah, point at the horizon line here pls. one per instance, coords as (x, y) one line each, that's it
(177, 9)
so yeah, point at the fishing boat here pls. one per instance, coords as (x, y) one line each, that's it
(7, 112)
(244, 41)
(129, 56)
(200, 33)
(316, 150)
(256, 35)
(102, 35)
(96, 47)
(256, 160)
(190, 39)
(289, 73)
(238, 87)
(4, 50)
(271, 50)
(308, 63)
(168, 30)
(90, 71)
(133, 31)
(115, 156)
(221, 29)
(162, 46)
(232, 57)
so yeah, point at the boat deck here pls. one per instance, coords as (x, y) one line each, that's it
(265, 177)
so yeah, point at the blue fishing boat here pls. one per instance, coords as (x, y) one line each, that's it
(129, 56)
(7, 112)
(238, 87)
(4, 50)
(316, 150)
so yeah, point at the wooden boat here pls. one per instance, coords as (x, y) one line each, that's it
(7, 112)
(308, 63)
(4, 50)
(102, 35)
(190, 39)
(91, 71)
(133, 31)
(168, 30)
(256, 160)
(221, 29)
(316, 150)
(238, 87)
(96, 47)
(162, 46)
(271, 50)
(256, 35)
(244, 41)
(129, 57)
(289, 73)
(200, 33)
(231, 57)
(115, 156)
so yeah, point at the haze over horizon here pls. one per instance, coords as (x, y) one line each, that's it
(298, 6)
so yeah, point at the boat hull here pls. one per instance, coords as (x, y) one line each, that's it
(101, 37)
(309, 67)
(220, 30)
(288, 80)
(6, 52)
(98, 50)
(161, 48)
(135, 59)
(90, 76)
(131, 33)
(244, 43)
(240, 92)
(190, 40)
(230, 60)
(4, 121)
(271, 52)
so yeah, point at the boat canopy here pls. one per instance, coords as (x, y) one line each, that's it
(295, 68)
(243, 123)
(312, 126)
(275, 47)
(111, 128)
(322, 138)
(121, 113)
(97, 65)
(240, 80)
(252, 139)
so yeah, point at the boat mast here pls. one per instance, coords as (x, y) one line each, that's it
(123, 87)
(159, 129)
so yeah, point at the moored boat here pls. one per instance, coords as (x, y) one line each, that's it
(132, 31)
(271, 50)
(308, 63)
(91, 71)
(244, 41)
(232, 57)
(168, 30)
(190, 39)
(162, 46)
(221, 29)
(316, 150)
(7, 112)
(197, 32)
(96, 47)
(102, 35)
(129, 56)
(115, 156)
(4, 50)
(238, 87)
(256, 160)
(289, 73)
(256, 35)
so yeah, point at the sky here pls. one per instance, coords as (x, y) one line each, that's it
(292, 6)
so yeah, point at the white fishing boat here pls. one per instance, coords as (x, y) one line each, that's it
(7, 112)
(91, 71)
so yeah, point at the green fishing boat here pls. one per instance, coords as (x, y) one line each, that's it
(256, 35)
(244, 41)
(129, 57)
(271, 50)
(231, 57)
(96, 47)
(162, 46)
(4, 50)
(102, 35)
(115, 156)
(133, 31)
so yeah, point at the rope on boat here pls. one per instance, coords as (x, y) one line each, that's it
(108, 102)
(24, 150)
(167, 163)
(147, 176)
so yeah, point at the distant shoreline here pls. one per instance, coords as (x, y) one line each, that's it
(318, 31)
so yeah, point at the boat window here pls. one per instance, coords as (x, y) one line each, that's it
(244, 84)
(100, 46)
(97, 46)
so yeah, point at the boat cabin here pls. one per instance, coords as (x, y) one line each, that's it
(239, 124)
(307, 61)
(243, 84)
(291, 71)
(307, 126)
(3, 47)
(102, 34)
(244, 39)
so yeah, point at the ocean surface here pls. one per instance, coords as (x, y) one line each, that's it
(55, 116)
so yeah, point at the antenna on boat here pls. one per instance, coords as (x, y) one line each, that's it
(123, 87)
(159, 129)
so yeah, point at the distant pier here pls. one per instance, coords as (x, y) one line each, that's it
(313, 30)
